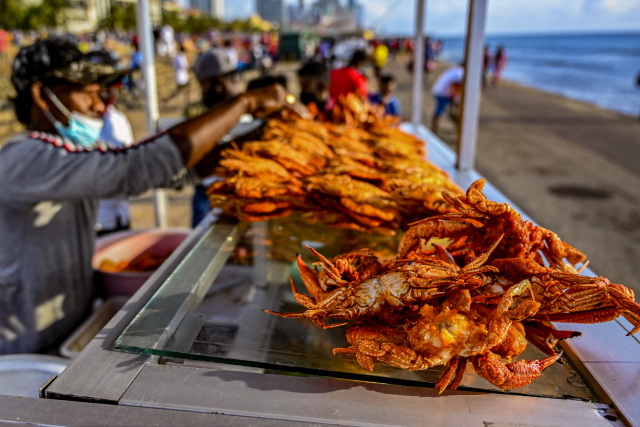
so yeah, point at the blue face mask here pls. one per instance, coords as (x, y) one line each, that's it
(82, 130)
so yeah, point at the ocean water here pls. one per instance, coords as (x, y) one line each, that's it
(600, 69)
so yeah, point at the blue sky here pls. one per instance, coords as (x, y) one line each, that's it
(447, 17)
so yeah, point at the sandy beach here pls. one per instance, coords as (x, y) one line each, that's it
(570, 166)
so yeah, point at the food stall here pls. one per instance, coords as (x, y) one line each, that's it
(194, 346)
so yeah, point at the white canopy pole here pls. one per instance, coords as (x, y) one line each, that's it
(145, 34)
(467, 140)
(418, 65)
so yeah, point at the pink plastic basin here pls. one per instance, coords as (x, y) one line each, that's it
(125, 246)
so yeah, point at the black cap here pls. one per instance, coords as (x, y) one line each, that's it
(314, 69)
(58, 60)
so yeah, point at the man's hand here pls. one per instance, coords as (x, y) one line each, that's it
(265, 100)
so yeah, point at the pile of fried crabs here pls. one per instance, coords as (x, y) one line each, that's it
(491, 284)
(363, 174)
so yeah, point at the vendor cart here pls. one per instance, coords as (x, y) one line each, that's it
(194, 347)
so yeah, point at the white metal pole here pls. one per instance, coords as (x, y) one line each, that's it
(467, 140)
(418, 65)
(145, 34)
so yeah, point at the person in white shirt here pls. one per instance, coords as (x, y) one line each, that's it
(167, 42)
(231, 51)
(445, 89)
(114, 214)
(181, 76)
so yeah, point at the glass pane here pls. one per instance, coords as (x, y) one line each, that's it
(236, 271)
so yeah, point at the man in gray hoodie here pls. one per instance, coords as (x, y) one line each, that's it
(52, 176)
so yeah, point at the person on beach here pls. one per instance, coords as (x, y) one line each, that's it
(350, 79)
(499, 63)
(314, 81)
(217, 74)
(486, 64)
(387, 96)
(135, 67)
(5, 41)
(444, 90)
(113, 213)
(52, 176)
(638, 84)
(180, 76)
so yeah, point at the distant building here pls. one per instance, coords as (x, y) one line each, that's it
(358, 13)
(272, 11)
(213, 8)
(82, 16)
(326, 7)
(327, 17)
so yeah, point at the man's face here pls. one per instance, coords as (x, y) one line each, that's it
(82, 99)
(218, 89)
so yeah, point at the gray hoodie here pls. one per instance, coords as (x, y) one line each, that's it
(49, 189)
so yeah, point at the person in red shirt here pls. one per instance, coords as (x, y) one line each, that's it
(349, 79)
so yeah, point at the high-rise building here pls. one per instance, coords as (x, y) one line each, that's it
(328, 16)
(272, 11)
(85, 15)
(213, 8)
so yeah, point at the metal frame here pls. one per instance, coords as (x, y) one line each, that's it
(418, 64)
(143, 18)
(467, 139)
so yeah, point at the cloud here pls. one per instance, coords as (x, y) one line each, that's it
(619, 6)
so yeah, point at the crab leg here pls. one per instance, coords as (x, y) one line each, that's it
(455, 370)
(462, 365)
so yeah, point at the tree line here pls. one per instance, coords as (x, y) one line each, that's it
(50, 14)
(16, 16)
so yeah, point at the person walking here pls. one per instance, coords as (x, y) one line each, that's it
(445, 88)
(499, 63)
(180, 76)
(486, 64)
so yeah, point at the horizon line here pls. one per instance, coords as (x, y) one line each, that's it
(533, 33)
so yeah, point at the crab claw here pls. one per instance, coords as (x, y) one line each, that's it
(545, 336)
(512, 375)
(310, 279)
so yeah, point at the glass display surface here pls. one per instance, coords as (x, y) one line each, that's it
(211, 309)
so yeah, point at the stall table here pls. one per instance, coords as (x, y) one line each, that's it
(194, 346)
